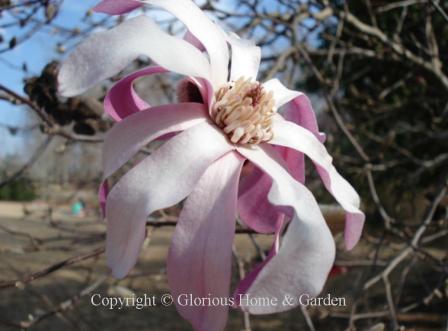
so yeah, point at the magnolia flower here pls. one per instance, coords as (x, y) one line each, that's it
(224, 119)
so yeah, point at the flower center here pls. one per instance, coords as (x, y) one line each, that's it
(243, 110)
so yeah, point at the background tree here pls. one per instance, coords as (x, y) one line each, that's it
(377, 74)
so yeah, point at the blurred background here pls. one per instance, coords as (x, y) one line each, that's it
(376, 72)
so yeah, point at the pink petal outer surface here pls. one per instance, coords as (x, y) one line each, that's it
(161, 180)
(207, 91)
(191, 38)
(300, 111)
(246, 283)
(307, 251)
(200, 256)
(116, 7)
(253, 206)
(204, 87)
(290, 135)
(128, 136)
(122, 100)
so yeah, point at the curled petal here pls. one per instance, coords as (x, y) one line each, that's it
(200, 257)
(128, 136)
(207, 92)
(190, 90)
(253, 206)
(122, 100)
(307, 251)
(161, 180)
(207, 32)
(191, 38)
(117, 7)
(105, 54)
(246, 58)
(290, 135)
(300, 111)
(249, 279)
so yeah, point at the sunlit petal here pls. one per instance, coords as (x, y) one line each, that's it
(282, 95)
(246, 58)
(207, 32)
(200, 257)
(139, 129)
(307, 251)
(290, 135)
(161, 180)
(105, 54)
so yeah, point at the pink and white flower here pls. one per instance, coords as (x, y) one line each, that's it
(223, 119)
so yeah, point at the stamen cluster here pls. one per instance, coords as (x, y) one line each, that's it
(244, 110)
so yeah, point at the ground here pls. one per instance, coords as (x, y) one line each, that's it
(30, 243)
(34, 237)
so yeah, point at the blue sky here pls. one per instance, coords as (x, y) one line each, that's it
(36, 52)
(40, 50)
